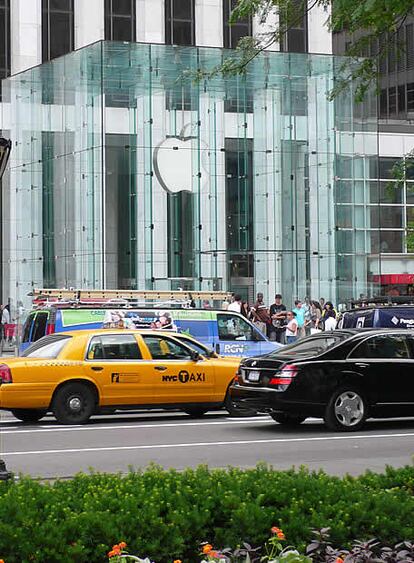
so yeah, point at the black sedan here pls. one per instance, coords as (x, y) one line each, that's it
(343, 376)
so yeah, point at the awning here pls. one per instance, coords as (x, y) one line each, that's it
(393, 279)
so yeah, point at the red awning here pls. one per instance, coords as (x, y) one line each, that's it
(393, 279)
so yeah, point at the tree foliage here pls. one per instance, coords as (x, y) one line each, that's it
(372, 28)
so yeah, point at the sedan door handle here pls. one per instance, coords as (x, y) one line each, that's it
(160, 368)
(97, 368)
(362, 365)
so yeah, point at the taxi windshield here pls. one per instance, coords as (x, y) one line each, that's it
(312, 346)
(48, 347)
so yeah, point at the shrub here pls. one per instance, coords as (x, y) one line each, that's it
(166, 514)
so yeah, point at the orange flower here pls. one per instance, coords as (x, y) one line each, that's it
(207, 548)
(178, 561)
(1, 560)
(122, 545)
(116, 550)
(214, 553)
(339, 560)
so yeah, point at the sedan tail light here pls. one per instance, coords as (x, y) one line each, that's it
(5, 374)
(285, 375)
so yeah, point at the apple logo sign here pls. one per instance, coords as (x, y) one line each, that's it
(173, 162)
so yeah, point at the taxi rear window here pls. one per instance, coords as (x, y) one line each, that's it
(47, 347)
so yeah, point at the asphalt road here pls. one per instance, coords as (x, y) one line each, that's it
(116, 443)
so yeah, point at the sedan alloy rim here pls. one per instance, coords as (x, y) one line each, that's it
(349, 408)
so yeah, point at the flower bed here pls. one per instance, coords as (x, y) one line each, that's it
(166, 515)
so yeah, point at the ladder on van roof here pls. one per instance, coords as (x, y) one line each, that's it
(96, 295)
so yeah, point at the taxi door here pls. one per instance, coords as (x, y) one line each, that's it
(115, 362)
(177, 377)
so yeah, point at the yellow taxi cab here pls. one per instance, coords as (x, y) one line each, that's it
(77, 374)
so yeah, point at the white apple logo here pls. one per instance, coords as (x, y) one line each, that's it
(173, 163)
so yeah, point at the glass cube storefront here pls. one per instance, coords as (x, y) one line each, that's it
(126, 173)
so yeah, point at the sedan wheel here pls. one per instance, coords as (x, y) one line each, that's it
(74, 403)
(29, 415)
(346, 410)
(288, 419)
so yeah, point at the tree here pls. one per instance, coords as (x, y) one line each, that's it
(371, 25)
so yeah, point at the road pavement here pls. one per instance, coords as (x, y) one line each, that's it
(172, 439)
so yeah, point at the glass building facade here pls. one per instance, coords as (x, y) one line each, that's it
(248, 183)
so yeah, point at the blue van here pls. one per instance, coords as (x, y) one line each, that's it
(226, 332)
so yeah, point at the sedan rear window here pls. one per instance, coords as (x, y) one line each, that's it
(48, 347)
(312, 346)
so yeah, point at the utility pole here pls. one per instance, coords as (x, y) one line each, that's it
(5, 148)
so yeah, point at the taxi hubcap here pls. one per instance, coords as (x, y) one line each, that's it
(349, 408)
(75, 404)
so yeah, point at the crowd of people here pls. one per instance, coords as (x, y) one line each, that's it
(286, 325)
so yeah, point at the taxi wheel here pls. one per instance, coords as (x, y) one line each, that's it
(29, 415)
(287, 419)
(74, 403)
(346, 410)
(195, 412)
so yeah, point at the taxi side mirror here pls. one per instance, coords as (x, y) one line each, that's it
(195, 356)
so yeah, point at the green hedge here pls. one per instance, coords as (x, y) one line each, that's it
(166, 514)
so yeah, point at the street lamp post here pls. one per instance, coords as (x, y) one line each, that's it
(5, 148)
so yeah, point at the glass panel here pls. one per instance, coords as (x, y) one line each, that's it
(385, 347)
(114, 347)
(39, 326)
(232, 327)
(135, 177)
(387, 217)
(122, 29)
(182, 9)
(166, 349)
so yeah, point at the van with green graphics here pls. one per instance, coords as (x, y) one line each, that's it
(226, 332)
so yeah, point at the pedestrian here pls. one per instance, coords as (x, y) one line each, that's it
(322, 303)
(245, 309)
(307, 313)
(329, 317)
(315, 317)
(291, 327)
(236, 305)
(206, 304)
(278, 319)
(300, 317)
(260, 314)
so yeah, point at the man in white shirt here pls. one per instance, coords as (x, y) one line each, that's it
(236, 305)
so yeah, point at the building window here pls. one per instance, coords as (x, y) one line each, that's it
(409, 45)
(4, 39)
(392, 100)
(233, 33)
(57, 28)
(410, 96)
(295, 39)
(120, 20)
(401, 99)
(179, 22)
